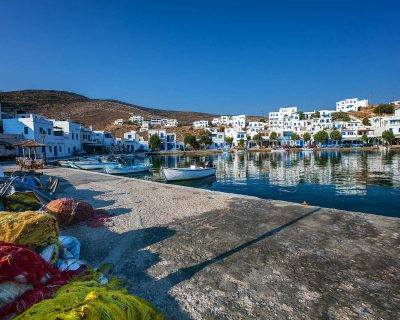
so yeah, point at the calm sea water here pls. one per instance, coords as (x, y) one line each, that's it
(367, 181)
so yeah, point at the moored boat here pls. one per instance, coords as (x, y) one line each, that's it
(280, 150)
(175, 174)
(123, 169)
(93, 165)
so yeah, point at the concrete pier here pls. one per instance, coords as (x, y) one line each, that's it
(198, 254)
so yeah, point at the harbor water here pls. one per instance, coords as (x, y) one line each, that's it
(366, 181)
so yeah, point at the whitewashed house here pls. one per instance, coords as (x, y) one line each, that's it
(131, 142)
(145, 126)
(218, 139)
(119, 122)
(168, 140)
(136, 119)
(352, 104)
(200, 124)
(72, 135)
(170, 123)
(40, 129)
(103, 139)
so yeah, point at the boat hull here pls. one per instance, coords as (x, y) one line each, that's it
(172, 174)
(94, 166)
(126, 169)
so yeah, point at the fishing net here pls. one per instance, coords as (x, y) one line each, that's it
(68, 211)
(22, 201)
(30, 228)
(88, 299)
(19, 265)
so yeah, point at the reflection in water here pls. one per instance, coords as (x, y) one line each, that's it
(366, 181)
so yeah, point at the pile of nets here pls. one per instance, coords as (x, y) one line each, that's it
(69, 211)
(21, 201)
(25, 279)
(87, 298)
(30, 228)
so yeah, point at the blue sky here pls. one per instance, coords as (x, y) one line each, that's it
(213, 56)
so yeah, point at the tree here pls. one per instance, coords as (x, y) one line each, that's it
(154, 142)
(273, 136)
(241, 143)
(294, 136)
(307, 136)
(388, 136)
(336, 135)
(364, 138)
(261, 120)
(229, 140)
(221, 129)
(316, 114)
(301, 115)
(384, 109)
(190, 140)
(321, 136)
(205, 138)
(258, 139)
(340, 116)
(366, 121)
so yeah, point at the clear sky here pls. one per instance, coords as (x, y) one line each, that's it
(214, 56)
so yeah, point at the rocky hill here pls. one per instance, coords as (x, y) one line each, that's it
(98, 113)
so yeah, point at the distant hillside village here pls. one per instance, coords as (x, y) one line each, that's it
(287, 127)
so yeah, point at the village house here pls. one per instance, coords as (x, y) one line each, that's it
(200, 124)
(168, 140)
(352, 104)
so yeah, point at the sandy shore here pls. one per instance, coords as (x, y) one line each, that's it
(198, 254)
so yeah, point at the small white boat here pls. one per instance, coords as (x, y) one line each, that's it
(307, 149)
(93, 165)
(280, 150)
(64, 163)
(175, 174)
(122, 169)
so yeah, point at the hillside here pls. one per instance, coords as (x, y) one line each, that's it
(98, 113)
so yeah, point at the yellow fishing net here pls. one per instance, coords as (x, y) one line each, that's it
(22, 201)
(30, 228)
(88, 299)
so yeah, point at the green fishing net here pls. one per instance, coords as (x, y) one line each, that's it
(90, 300)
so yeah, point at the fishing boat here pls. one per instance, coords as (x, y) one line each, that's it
(280, 150)
(93, 165)
(193, 172)
(124, 169)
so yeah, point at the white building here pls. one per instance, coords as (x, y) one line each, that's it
(104, 139)
(131, 142)
(238, 121)
(136, 119)
(218, 139)
(352, 104)
(170, 122)
(40, 129)
(119, 122)
(145, 126)
(72, 135)
(200, 124)
(168, 140)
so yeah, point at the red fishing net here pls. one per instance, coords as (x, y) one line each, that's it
(69, 211)
(19, 264)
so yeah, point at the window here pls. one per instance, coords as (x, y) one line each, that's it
(50, 149)
(59, 148)
(73, 136)
(25, 130)
(49, 132)
(69, 150)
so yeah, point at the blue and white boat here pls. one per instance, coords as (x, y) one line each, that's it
(126, 169)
